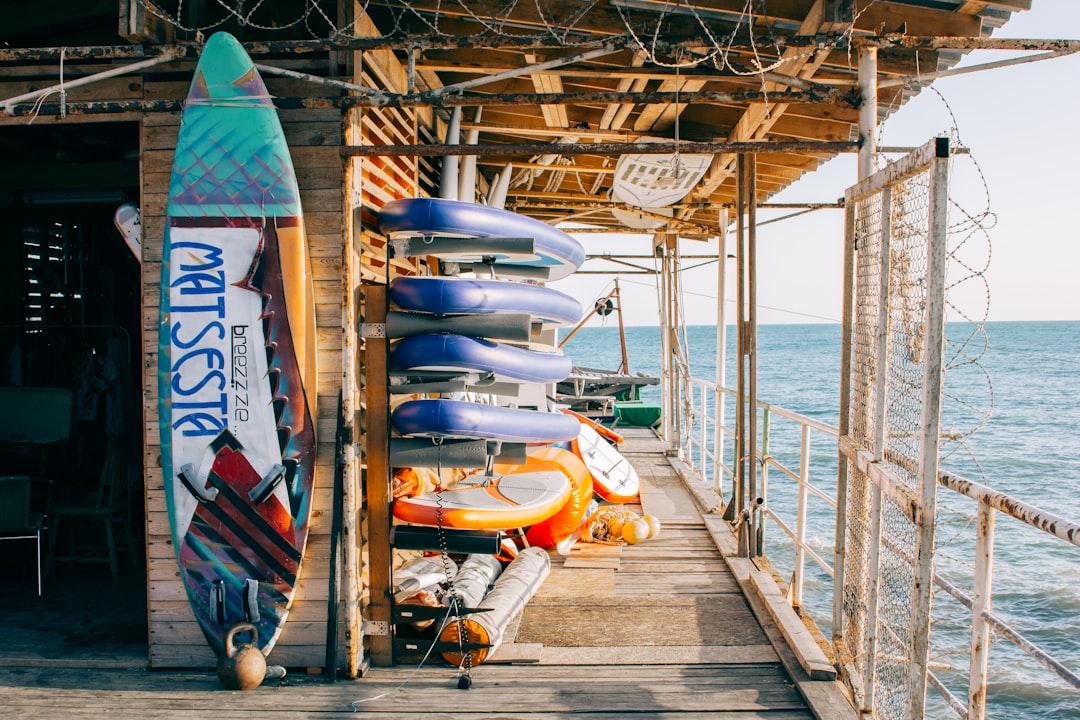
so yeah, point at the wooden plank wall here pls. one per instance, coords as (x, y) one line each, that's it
(375, 182)
(315, 138)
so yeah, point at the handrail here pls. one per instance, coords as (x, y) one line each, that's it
(989, 501)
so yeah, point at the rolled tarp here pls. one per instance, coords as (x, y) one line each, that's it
(512, 591)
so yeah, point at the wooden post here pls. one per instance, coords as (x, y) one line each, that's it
(377, 476)
(351, 500)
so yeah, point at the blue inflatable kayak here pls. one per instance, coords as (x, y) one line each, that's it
(553, 251)
(461, 296)
(448, 352)
(461, 419)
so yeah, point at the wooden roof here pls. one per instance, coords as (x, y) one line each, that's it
(557, 89)
(704, 76)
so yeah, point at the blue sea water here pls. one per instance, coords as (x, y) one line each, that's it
(1012, 405)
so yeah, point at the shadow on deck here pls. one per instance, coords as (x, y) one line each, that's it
(662, 629)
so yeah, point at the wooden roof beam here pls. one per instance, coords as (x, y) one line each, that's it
(445, 99)
(615, 114)
(608, 148)
(554, 115)
(662, 115)
(670, 43)
(759, 117)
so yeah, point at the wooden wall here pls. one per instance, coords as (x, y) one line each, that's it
(373, 182)
(315, 138)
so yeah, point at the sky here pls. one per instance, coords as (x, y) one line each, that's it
(1019, 124)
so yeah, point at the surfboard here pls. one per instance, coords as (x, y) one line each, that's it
(614, 478)
(529, 494)
(445, 418)
(655, 180)
(443, 296)
(236, 354)
(443, 352)
(554, 251)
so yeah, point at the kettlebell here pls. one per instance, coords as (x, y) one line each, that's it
(242, 666)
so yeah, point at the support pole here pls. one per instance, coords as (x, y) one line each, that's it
(930, 440)
(721, 351)
(624, 367)
(449, 178)
(750, 197)
(844, 424)
(738, 493)
(377, 477)
(666, 378)
(981, 603)
(868, 111)
(350, 418)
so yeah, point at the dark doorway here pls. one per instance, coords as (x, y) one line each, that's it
(71, 362)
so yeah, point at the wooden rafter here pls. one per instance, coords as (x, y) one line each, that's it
(760, 117)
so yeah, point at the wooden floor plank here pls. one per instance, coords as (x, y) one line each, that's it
(663, 632)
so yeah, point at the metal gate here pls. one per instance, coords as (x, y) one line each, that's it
(894, 312)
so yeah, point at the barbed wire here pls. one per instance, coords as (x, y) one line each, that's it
(644, 29)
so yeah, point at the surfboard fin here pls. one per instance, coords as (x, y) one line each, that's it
(266, 486)
(217, 602)
(189, 477)
(251, 600)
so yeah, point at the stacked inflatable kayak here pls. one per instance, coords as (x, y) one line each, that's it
(460, 336)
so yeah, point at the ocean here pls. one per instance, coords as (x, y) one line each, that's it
(1012, 414)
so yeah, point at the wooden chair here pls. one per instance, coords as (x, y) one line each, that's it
(107, 507)
(18, 519)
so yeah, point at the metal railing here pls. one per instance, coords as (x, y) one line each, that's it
(702, 447)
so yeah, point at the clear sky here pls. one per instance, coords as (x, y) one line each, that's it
(1021, 125)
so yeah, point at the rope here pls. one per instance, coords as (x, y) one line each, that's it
(453, 599)
(356, 703)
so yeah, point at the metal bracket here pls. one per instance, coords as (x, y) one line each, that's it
(441, 245)
(372, 330)
(376, 627)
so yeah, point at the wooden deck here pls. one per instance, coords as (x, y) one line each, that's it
(663, 629)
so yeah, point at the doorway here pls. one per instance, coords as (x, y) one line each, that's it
(70, 328)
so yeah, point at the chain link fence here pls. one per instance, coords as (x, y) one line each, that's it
(893, 319)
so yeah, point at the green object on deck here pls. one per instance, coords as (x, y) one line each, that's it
(636, 414)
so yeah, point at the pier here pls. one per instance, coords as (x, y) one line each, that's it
(663, 629)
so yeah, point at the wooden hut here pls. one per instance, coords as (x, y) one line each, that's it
(90, 100)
